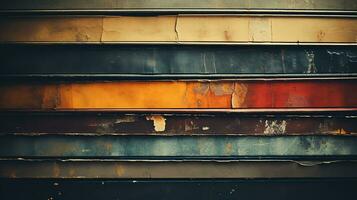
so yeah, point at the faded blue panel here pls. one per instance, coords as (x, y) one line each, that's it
(94, 146)
(171, 59)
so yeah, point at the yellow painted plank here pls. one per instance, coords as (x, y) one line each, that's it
(173, 29)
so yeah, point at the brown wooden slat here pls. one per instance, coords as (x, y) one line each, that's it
(114, 123)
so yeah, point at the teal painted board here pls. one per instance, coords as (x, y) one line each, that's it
(184, 146)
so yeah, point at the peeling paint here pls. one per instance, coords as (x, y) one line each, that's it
(340, 131)
(311, 65)
(205, 128)
(220, 89)
(239, 94)
(275, 127)
(180, 94)
(159, 122)
(126, 119)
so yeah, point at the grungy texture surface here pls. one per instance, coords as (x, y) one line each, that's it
(176, 146)
(209, 189)
(176, 29)
(112, 123)
(104, 168)
(208, 60)
(180, 94)
(179, 4)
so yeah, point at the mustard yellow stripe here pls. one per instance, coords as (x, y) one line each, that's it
(178, 29)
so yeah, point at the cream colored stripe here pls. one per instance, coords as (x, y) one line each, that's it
(176, 29)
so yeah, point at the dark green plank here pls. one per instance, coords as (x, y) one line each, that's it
(176, 60)
(209, 189)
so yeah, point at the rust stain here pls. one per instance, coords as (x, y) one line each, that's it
(119, 170)
(229, 148)
(227, 35)
(159, 122)
(321, 35)
(56, 170)
(72, 172)
(51, 29)
(340, 131)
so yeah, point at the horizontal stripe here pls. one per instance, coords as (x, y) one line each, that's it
(182, 4)
(176, 29)
(180, 94)
(293, 189)
(99, 123)
(175, 169)
(95, 60)
(179, 146)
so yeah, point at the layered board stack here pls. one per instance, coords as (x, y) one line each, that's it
(178, 99)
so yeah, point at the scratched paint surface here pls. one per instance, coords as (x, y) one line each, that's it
(105, 168)
(97, 123)
(96, 60)
(176, 29)
(190, 146)
(180, 94)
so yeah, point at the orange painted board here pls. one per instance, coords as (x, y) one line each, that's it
(180, 94)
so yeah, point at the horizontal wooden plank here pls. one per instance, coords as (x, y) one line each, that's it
(178, 4)
(114, 123)
(136, 169)
(138, 60)
(293, 189)
(223, 94)
(177, 29)
(181, 147)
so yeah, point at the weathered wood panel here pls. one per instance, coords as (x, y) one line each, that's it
(178, 4)
(210, 189)
(191, 169)
(176, 29)
(114, 123)
(179, 147)
(180, 94)
(123, 60)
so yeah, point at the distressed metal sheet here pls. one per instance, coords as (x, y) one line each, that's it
(95, 60)
(177, 4)
(177, 29)
(222, 94)
(175, 146)
(99, 123)
(102, 168)
(210, 189)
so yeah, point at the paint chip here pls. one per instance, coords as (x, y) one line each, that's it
(205, 128)
(239, 94)
(159, 122)
(275, 127)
